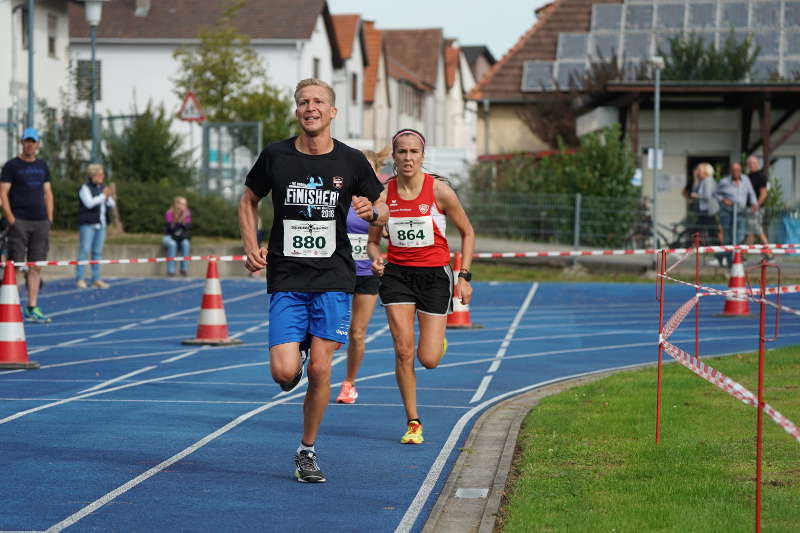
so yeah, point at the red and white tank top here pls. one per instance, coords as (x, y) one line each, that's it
(416, 228)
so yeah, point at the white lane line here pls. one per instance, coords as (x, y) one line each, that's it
(119, 378)
(338, 360)
(182, 355)
(501, 352)
(481, 389)
(26, 412)
(513, 328)
(122, 489)
(126, 300)
(414, 510)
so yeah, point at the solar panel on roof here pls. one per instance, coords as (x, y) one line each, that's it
(670, 16)
(791, 69)
(766, 14)
(572, 45)
(638, 17)
(733, 15)
(768, 42)
(605, 46)
(567, 69)
(537, 75)
(702, 15)
(792, 43)
(791, 14)
(606, 16)
(764, 68)
(637, 45)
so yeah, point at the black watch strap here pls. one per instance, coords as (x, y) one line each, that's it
(466, 274)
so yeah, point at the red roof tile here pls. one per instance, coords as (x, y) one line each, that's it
(373, 39)
(181, 19)
(346, 26)
(413, 55)
(503, 81)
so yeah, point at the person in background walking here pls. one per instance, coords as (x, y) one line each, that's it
(94, 202)
(27, 202)
(755, 219)
(177, 233)
(365, 295)
(734, 191)
(704, 206)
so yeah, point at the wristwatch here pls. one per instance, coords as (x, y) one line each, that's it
(466, 274)
(374, 215)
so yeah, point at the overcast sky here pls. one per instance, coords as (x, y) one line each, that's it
(498, 24)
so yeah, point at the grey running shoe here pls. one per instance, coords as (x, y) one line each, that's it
(307, 470)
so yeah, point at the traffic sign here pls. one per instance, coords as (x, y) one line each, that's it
(190, 109)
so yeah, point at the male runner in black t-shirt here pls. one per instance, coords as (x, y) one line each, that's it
(314, 179)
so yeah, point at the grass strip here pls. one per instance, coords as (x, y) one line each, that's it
(587, 458)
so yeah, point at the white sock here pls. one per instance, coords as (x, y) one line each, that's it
(304, 447)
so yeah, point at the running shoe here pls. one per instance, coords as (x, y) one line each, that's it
(306, 467)
(35, 315)
(289, 385)
(348, 393)
(413, 434)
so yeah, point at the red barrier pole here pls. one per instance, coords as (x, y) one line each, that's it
(760, 416)
(696, 292)
(660, 291)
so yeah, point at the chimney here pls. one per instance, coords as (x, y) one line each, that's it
(142, 8)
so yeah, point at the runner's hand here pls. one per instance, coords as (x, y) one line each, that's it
(256, 260)
(377, 266)
(362, 207)
(463, 291)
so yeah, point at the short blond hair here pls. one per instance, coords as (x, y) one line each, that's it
(706, 170)
(94, 169)
(308, 82)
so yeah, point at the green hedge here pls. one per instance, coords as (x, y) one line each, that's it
(142, 206)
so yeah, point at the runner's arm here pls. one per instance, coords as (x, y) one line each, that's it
(248, 226)
(374, 249)
(449, 203)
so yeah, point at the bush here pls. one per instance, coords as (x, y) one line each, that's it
(142, 206)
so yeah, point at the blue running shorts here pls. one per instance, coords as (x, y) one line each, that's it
(322, 314)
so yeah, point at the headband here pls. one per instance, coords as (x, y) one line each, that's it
(409, 131)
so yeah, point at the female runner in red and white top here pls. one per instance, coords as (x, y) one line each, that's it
(417, 281)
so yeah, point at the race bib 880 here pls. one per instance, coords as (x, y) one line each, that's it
(312, 239)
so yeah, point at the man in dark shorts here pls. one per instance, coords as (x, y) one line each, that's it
(314, 179)
(755, 219)
(27, 201)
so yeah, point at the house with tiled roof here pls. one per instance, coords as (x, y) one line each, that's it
(50, 63)
(460, 114)
(348, 80)
(701, 121)
(295, 39)
(479, 58)
(377, 105)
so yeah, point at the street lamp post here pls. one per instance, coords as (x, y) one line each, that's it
(658, 64)
(94, 12)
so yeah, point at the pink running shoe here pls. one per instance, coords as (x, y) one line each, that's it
(348, 394)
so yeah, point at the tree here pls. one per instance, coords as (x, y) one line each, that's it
(221, 68)
(692, 58)
(267, 105)
(147, 150)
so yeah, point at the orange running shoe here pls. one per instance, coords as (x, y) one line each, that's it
(413, 434)
(348, 394)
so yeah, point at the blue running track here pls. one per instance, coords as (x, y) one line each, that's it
(125, 429)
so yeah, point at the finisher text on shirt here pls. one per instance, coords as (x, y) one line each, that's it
(299, 194)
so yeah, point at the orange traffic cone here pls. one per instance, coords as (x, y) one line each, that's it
(459, 318)
(212, 328)
(13, 348)
(735, 302)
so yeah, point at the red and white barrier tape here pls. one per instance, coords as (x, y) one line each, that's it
(754, 248)
(676, 318)
(730, 386)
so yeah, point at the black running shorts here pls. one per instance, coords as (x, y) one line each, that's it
(429, 288)
(367, 284)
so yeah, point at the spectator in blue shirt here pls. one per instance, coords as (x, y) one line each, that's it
(27, 202)
(734, 190)
(95, 199)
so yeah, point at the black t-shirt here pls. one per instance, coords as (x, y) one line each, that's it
(759, 181)
(309, 250)
(27, 180)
